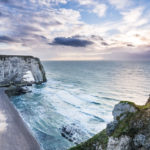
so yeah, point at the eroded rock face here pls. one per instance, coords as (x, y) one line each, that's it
(122, 143)
(130, 130)
(17, 90)
(122, 109)
(111, 127)
(139, 140)
(20, 70)
(73, 133)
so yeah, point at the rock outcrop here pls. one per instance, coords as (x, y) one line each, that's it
(20, 70)
(17, 90)
(130, 130)
(73, 133)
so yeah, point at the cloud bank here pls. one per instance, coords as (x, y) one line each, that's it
(71, 42)
(75, 29)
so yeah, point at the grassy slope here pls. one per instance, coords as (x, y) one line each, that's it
(125, 127)
(97, 140)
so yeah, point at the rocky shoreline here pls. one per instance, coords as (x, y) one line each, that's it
(130, 130)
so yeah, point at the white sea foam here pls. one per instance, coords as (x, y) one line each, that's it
(75, 108)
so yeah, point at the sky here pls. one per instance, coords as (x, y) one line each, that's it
(76, 29)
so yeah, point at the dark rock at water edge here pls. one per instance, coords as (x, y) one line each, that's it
(17, 90)
(73, 133)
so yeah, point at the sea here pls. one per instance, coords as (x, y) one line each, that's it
(80, 95)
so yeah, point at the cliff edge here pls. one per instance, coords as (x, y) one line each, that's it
(20, 70)
(130, 130)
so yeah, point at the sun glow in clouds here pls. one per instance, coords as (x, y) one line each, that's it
(31, 27)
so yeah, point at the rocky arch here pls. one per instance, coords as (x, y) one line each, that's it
(20, 70)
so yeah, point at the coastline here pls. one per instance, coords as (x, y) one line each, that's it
(14, 134)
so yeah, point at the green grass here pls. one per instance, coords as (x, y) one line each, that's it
(99, 139)
(128, 126)
(138, 107)
(123, 127)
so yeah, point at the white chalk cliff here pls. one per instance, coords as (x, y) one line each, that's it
(21, 70)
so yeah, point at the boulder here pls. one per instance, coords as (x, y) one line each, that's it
(120, 110)
(17, 90)
(73, 133)
(121, 143)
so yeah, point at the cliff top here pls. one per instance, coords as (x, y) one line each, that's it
(22, 56)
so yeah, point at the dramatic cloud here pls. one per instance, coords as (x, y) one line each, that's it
(71, 42)
(104, 43)
(100, 10)
(130, 45)
(5, 1)
(97, 7)
(5, 39)
(134, 16)
(120, 4)
(75, 29)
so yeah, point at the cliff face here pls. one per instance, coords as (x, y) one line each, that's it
(20, 70)
(130, 130)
